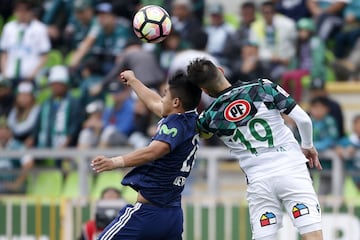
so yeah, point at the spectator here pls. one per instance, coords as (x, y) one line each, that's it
(80, 25)
(60, 115)
(6, 97)
(106, 210)
(56, 15)
(167, 49)
(276, 36)
(92, 126)
(240, 38)
(318, 89)
(325, 135)
(347, 148)
(23, 116)
(13, 171)
(219, 33)
(144, 122)
(105, 44)
(183, 58)
(345, 40)
(294, 9)
(327, 15)
(142, 62)
(24, 45)
(91, 78)
(127, 8)
(117, 120)
(309, 60)
(349, 68)
(184, 21)
(250, 68)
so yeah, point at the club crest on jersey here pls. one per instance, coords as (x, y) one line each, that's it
(299, 210)
(267, 219)
(237, 110)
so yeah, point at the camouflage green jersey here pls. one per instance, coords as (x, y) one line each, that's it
(247, 118)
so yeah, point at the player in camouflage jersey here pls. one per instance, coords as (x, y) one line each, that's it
(247, 118)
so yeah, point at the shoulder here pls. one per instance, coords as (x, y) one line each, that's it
(37, 25)
(282, 21)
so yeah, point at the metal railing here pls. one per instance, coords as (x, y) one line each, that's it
(211, 154)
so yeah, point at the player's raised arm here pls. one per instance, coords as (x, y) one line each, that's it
(151, 99)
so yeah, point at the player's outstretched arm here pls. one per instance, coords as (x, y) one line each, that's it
(155, 150)
(151, 99)
(304, 124)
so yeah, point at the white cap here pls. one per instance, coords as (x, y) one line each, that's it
(25, 87)
(59, 74)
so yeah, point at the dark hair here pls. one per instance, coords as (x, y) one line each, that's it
(181, 87)
(320, 100)
(248, 5)
(201, 72)
(268, 4)
(92, 64)
(30, 5)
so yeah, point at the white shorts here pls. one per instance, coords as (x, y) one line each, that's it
(291, 191)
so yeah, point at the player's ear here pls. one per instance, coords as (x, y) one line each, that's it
(221, 70)
(176, 102)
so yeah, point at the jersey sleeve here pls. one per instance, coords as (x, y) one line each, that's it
(171, 131)
(202, 126)
(281, 99)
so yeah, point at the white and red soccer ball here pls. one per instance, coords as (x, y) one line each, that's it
(152, 24)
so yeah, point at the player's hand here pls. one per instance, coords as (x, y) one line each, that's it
(102, 163)
(127, 77)
(312, 155)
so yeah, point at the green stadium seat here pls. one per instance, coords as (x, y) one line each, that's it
(71, 185)
(1, 23)
(129, 194)
(104, 180)
(351, 192)
(47, 183)
(55, 57)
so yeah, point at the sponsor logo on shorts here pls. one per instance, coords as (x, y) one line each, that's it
(267, 219)
(299, 210)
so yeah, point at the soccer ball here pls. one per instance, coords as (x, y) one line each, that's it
(152, 24)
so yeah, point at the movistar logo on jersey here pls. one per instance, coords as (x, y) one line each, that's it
(165, 130)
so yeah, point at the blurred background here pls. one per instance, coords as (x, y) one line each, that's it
(61, 105)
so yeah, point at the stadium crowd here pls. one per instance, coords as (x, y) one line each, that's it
(60, 61)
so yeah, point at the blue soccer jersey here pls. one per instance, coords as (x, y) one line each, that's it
(162, 181)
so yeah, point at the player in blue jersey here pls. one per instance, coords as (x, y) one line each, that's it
(247, 118)
(161, 168)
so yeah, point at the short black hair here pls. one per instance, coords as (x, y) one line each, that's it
(268, 4)
(92, 64)
(248, 5)
(29, 4)
(201, 71)
(320, 100)
(181, 87)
